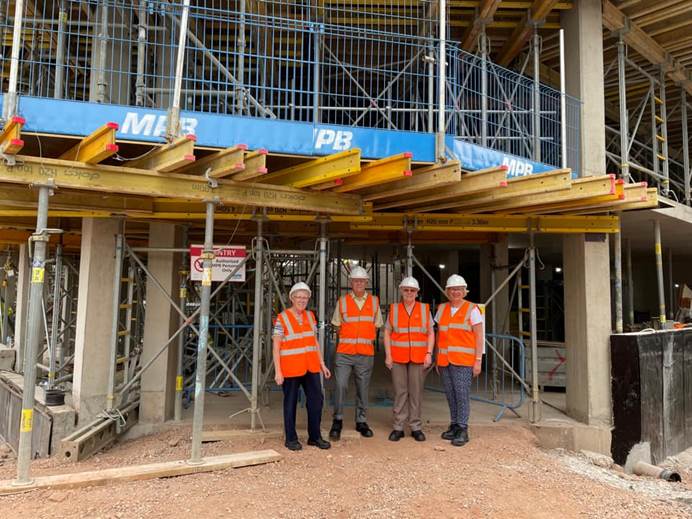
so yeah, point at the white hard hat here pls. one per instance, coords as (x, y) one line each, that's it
(409, 283)
(358, 272)
(300, 286)
(455, 280)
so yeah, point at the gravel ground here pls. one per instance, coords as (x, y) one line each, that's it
(501, 473)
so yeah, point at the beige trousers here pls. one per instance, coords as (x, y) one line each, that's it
(408, 381)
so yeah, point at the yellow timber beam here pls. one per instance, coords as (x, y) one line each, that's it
(131, 181)
(18, 237)
(529, 185)
(168, 157)
(383, 171)
(588, 190)
(221, 164)
(255, 166)
(19, 196)
(491, 223)
(95, 147)
(470, 184)
(317, 171)
(11, 136)
(631, 203)
(422, 180)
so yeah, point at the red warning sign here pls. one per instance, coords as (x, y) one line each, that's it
(226, 259)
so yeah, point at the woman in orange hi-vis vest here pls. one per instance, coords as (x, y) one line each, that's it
(459, 354)
(409, 340)
(298, 362)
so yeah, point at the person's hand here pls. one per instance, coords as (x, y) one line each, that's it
(388, 362)
(326, 372)
(279, 378)
(428, 361)
(476, 368)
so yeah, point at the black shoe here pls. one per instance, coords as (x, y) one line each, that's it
(335, 431)
(293, 445)
(320, 443)
(364, 429)
(395, 435)
(450, 433)
(419, 436)
(461, 438)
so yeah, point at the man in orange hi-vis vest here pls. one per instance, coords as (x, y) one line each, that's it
(358, 316)
(409, 340)
(298, 362)
(459, 355)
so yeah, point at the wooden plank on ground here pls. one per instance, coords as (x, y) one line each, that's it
(140, 472)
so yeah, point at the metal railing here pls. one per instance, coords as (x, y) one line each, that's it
(334, 62)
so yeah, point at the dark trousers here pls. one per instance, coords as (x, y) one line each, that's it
(313, 402)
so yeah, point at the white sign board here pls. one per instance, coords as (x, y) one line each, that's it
(226, 258)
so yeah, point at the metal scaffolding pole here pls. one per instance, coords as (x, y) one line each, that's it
(322, 303)
(60, 51)
(317, 30)
(659, 273)
(441, 82)
(257, 323)
(240, 49)
(536, 96)
(10, 98)
(203, 338)
(563, 103)
(182, 300)
(630, 285)
(685, 145)
(103, 50)
(173, 129)
(113, 353)
(140, 82)
(664, 130)
(40, 239)
(671, 285)
(617, 260)
(624, 120)
(55, 322)
(535, 411)
(484, 86)
(409, 254)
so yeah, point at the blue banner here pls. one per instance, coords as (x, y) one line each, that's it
(63, 117)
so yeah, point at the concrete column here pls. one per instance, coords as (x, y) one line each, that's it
(158, 382)
(586, 266)
(94, 317)
(22, 305)
(584, 80)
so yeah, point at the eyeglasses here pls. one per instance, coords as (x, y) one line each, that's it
(409, 290)
(301, 298)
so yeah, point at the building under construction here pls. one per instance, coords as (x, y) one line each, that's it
(171, 168)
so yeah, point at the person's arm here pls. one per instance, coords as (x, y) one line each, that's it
(388, 347)
(276, 354)
(431, 343)
(323, 366)
(478, 333)
(336, 316)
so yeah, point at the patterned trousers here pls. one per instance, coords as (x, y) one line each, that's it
(457, 384)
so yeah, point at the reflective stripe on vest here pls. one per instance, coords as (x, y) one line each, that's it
(409, 333)
(357, 331)
(454, 337)
(298, 352)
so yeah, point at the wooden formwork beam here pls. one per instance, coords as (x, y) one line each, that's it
(255, 166)
(634, 200)
(422, 180)
(491, 223)
(95, 147)
(470, 184)
(590, 190)
(169, 157)
(317, 171)
(220, 164)
(11, 136)
(20, 196)
(383, 171)
(131, 181)
(537, 14)
(521, 186)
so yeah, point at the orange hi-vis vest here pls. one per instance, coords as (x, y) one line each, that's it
(409, 333)
(298, 352)
(357, 331)
(456, 341)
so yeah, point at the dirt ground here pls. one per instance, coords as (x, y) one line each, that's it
(500, 473)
